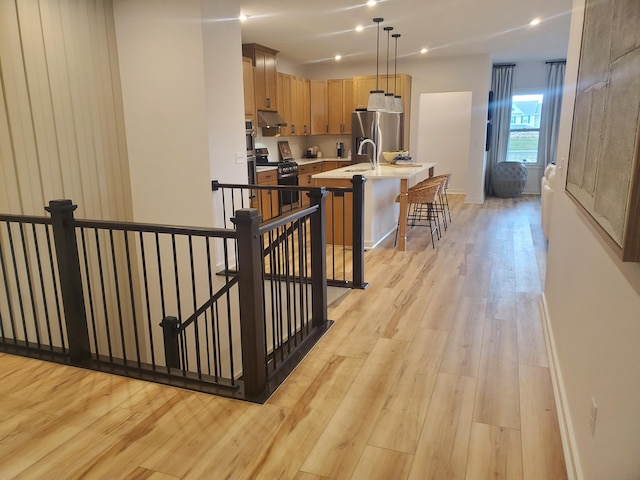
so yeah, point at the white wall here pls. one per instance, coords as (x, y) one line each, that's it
(444, 121)
(183, 104)
(593, 303)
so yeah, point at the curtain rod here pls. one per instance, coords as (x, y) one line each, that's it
(556, 61)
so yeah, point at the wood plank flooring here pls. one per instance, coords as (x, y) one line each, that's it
(437, 371)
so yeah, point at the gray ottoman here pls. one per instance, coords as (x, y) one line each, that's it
(509, 179)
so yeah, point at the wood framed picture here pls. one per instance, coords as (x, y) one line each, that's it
(285, 151)
(603, 171)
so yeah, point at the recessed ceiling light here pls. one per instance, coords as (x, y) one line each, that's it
(534, 22)
(371, 3)
(424, 50)
(359, 28)
(243, 17)
(338, 57)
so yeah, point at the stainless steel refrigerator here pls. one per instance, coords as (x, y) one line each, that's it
(385, 129)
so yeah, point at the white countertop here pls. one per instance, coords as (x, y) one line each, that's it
(421, 171)
(307, 161)
(264, 168)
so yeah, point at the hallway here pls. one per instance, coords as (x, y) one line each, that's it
(437, 371)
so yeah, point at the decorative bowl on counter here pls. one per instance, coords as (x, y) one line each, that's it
(393, 156)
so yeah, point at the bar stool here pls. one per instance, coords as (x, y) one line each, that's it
(422, 199)
(443, 204)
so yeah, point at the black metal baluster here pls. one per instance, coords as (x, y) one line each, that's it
(89, 290)
(145, 282)
(104, 297)
(56, 292)
(45, 305)
(134, 318)
(118, 302)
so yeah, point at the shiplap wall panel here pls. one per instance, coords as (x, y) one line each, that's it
(63, 128)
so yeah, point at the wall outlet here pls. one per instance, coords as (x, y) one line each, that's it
(593, 415)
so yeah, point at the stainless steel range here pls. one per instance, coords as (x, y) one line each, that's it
(287, 175)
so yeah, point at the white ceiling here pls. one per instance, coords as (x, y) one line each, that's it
(315, 31)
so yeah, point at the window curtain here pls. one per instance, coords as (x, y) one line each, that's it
(551, 105)
(502, 87)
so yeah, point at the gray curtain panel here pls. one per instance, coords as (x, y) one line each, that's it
(551, 106)
(502, 87)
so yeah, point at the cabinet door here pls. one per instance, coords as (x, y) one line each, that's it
(296, 114)
(304, 94)
(249, 89)
(318, 107)
(335, 110)
(347, 105)
(284, 103)
(271, 82)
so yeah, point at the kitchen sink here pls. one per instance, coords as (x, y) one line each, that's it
(360, 169)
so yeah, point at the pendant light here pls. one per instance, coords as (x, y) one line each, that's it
(397, 99)
(388, 97)
(376, 97)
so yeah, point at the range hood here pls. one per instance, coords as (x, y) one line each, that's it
(270, 123)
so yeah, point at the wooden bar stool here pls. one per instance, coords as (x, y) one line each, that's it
(422, 200)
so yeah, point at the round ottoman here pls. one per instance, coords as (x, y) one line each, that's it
(509, 179)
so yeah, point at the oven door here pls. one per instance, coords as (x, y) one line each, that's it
(288, 198)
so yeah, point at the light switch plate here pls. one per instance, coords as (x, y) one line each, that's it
(241, 157)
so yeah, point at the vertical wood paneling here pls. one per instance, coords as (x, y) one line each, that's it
(62, 129)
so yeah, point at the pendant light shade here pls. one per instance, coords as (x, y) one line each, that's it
(397, 99)
(376, 97)
(388, 98)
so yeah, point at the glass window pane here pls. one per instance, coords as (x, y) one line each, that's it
(524, 130)
(523, 146)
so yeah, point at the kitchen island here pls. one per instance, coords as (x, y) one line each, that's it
(383, 185)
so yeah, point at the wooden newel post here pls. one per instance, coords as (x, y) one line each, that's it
(250, 282)
(66, 246)
(319, 258)
(358, 182)
(170, 326)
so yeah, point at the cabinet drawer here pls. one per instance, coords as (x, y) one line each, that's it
(267, 177)
(309, 168)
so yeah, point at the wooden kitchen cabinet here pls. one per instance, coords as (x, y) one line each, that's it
(293, 105)
(268, 199)
(304, 105)
(304, 178)
(284, 104)
(340, 105)
(364, 84)
(249, 89)
(265, 75)
(318, 95)
(333, 164)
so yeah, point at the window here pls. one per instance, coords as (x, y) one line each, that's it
(524, 130)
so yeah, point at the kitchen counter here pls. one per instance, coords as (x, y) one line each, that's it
(383, 185)
(264, 168)
(306, 161)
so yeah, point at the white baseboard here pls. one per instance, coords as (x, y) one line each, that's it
(569, 446)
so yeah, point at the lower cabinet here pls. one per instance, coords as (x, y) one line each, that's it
(267, 199)
(333, 164)
(304, 178)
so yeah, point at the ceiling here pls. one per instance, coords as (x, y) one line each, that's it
(307, 32)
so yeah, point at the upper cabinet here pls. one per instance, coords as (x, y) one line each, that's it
(294, 105)
(319, 124)
(340, 105)
(249, 89)
(265, 75)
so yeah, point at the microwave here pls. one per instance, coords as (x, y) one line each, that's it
(250, 134)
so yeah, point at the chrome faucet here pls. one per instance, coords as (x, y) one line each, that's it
(373, 163)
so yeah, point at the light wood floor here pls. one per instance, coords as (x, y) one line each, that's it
(437, 371)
